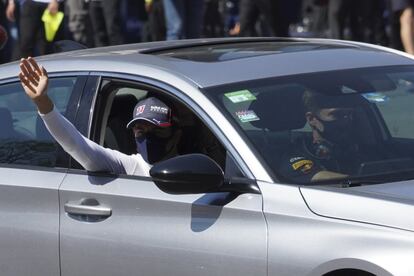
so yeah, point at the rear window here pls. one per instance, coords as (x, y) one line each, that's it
(24, 139)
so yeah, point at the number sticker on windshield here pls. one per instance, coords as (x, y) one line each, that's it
(247, 116)
(240, 96)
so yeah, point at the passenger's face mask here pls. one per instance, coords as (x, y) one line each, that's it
(155, 145)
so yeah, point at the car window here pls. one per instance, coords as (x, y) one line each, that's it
(119, 101)
(355, 123)
(396, 106)
(24, 139)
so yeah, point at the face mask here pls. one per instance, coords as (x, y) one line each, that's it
(339, 131)
(152, 148)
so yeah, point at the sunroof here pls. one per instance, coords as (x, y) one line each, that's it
(231, 51)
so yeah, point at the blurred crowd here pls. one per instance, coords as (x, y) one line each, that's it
(95, 23)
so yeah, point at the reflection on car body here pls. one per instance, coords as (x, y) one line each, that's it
(297, 158)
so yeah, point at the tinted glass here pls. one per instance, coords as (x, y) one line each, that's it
(24, 139)
(340, 125)
(232, 51)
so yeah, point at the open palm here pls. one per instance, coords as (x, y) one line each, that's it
(33, 78)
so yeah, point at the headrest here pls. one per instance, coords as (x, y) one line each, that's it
(123, 105)
(280, 110)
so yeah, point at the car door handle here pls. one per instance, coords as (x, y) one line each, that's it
(89, 207)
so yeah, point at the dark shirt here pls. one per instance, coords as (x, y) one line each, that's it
(399, 5)
(307, 159)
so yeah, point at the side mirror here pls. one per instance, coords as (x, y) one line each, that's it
(188, 174)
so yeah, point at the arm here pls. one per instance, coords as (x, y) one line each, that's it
(11, 7)
(326, 175)
(90, 155)
(407, 30)
(303, 169)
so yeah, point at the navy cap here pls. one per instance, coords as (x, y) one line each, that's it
(151, 110)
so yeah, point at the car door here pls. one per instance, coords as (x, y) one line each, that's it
(125, 225)
(31, 169)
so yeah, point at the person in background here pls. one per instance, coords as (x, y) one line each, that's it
(155, 27)
(184, 18)
(403, 25)
(343, 13)
(106, 21)
(284, 13)
(275, 17)
(231, 17)
(78, 21)
(213, 25)
(373, 21)
(364, 20)
(252, 12)
(32, 31)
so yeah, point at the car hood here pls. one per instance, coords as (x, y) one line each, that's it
(390, 204)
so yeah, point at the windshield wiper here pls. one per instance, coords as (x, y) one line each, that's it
(354, 182)
(347, 182)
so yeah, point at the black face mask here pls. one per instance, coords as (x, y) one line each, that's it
(151, 147)
(339, 132)
(158, 145)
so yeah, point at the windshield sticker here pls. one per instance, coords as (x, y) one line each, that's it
(240, 96)
(375, 97)
(247, 116)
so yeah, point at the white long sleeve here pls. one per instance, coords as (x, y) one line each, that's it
(89, 154)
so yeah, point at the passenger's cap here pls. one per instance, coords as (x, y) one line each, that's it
(151, 110)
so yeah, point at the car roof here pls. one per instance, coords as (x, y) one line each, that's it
(211, 62)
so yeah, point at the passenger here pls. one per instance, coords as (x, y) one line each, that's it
(155, 136)
(333, 149)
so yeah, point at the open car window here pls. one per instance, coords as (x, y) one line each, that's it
(271, 114)
(120, 99)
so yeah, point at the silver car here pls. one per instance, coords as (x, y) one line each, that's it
(247, 195)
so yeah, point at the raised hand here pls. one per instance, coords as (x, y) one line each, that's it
(11, 8)
(34, 80)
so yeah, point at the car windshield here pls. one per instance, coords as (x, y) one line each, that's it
(348, 125)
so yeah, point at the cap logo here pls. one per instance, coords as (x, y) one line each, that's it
(159, 109)
(139, 110)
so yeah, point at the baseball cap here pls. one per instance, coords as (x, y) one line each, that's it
(151, 110)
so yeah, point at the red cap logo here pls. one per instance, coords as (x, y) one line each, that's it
(140, 109)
